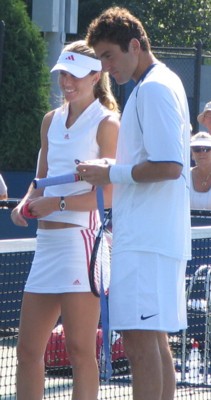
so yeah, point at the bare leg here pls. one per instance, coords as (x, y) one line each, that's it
(169, 379)
(143, 352)
(151, 364)
(38, 316)
(80, 312)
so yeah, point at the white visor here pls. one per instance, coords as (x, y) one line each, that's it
(77, 64)
(201, 142)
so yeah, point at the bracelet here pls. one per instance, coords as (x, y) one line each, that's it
(121, 174)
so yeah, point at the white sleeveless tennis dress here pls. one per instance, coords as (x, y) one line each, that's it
(62, 255)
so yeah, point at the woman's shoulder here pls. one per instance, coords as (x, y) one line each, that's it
(50, 114)
(47, 119)
(111, 119)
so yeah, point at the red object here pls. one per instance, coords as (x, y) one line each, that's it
(25, 211)
(195, 344)
(56, 353)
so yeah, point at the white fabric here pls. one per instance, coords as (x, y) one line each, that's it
(121, 174)
(76, 64)
(199, 200)
(61, 261)
(201, 141)
(155, 126)
(147, 292)
(207, 107)
(64, 146)
(3, 187)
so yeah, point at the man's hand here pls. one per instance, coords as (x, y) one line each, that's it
(97, 175)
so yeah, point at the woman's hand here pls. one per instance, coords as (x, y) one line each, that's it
(34, 208)
(41, 206)
(17, 216)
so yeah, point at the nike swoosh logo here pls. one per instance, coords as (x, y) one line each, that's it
(147, 317)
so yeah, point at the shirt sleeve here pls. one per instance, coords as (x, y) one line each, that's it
(162, 123)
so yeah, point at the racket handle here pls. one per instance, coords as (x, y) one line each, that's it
(56, 180)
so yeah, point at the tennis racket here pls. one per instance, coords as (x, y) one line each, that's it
(9, 203)
(100, 261)
(56, 180)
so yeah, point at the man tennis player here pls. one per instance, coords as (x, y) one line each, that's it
(151, 217)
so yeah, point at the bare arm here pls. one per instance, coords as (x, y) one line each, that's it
(144, 172)
(156, 171)
(41, 172)
(42, 206)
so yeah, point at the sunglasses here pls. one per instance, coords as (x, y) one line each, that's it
(201, 149)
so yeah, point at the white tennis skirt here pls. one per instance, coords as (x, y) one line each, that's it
(61, 261)
(147, 292)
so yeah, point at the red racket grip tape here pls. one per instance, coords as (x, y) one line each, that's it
(25, 211)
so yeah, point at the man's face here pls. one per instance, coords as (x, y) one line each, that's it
(120, 65)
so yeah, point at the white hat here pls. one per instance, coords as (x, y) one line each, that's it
(76, 64)
(201, 139)
(206, 108)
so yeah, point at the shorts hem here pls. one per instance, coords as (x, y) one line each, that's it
(138, 328)
(53, 291)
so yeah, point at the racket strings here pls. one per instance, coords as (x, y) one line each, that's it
(103, 262)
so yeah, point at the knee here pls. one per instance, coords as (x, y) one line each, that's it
(164, 347)
(134, 356)
(23, 352)
(78, 352)
(139, 344)
(27, 354)
(133, 353)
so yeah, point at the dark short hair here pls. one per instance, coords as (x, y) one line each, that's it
(117, 25)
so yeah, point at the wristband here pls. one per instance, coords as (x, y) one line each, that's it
(25, 211)
(121, 174)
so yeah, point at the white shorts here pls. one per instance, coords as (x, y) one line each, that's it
(61, 261)
(147, 292)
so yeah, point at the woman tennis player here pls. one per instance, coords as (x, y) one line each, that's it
(84, 127)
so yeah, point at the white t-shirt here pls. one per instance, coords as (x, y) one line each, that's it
(199, 200)
(155, 126)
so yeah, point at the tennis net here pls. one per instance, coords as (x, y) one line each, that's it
(191, 348)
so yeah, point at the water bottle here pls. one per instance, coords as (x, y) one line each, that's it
(194, 363)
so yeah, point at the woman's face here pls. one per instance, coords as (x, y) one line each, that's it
(77, 89)
(201, 155)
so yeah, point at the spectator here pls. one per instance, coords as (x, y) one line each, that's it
(200, 182)
(205, 117)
